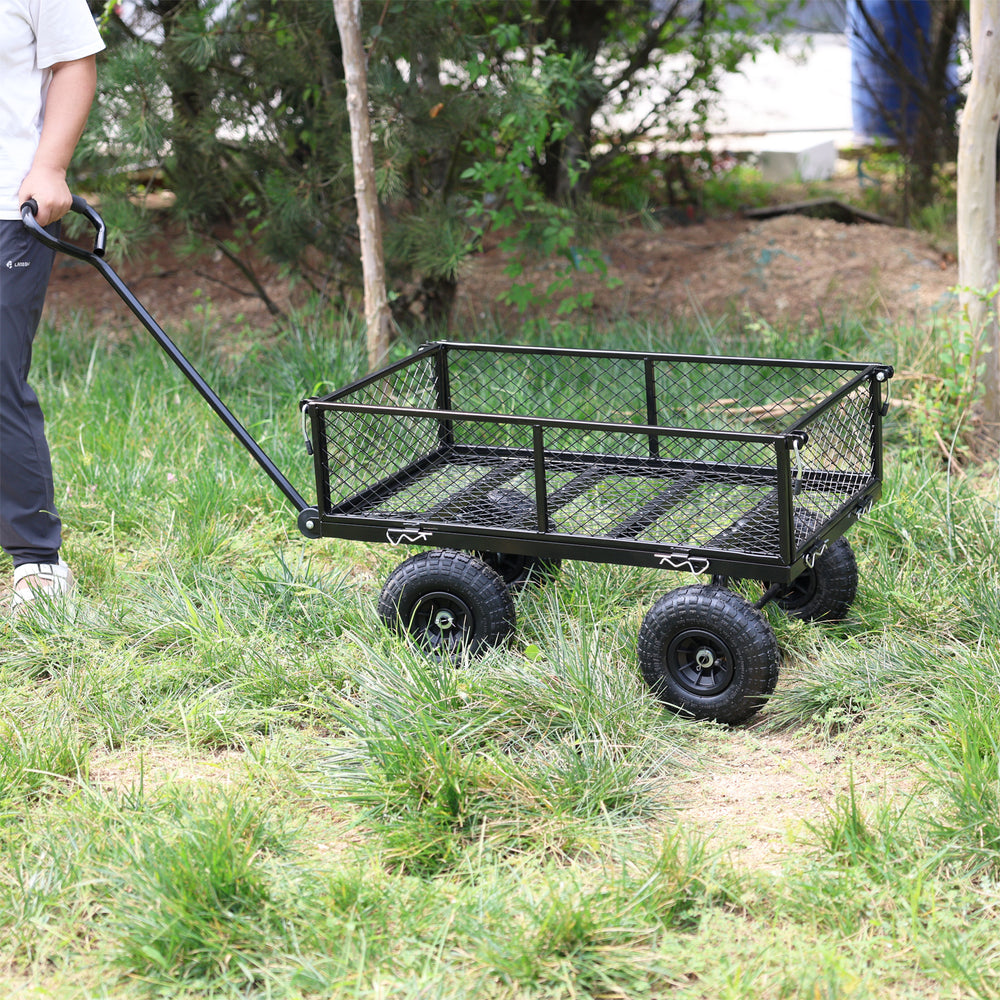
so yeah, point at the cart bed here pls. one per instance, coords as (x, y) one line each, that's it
(731, 466)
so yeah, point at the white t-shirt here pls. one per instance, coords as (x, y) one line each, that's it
(34, 36)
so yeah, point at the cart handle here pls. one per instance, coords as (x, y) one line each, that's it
(30, 209)
(308, 516)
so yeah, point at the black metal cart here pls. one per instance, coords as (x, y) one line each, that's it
(506, 460)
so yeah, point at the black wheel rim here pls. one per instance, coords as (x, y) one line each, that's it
(700, 662)
(442, 621)
(799, 592)
(513, 568)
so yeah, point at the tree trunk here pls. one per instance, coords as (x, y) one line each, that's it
(933, 139)
(577, 28)
(977, 202)
(377, 315)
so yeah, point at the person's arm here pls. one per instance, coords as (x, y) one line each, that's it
(67, 104)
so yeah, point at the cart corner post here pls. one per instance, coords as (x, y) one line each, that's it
(541, 490)
(783, 448)
(879, 410)
(652, 414)
(442, 384)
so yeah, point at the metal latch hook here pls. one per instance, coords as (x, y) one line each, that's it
(811, 557)
(397, 536)
(679, 562)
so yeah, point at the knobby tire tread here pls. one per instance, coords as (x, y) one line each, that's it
(833, 584)
(738, 624)
(449, 570)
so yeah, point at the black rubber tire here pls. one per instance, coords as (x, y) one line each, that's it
(826, 591)
(517, 570)
(449, 603)
(513, 508)
(709, 654)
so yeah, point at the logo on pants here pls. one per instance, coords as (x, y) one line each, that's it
(11, 264)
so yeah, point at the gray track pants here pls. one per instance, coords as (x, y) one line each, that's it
(30, 530)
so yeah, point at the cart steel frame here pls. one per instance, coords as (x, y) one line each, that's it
(436, 413)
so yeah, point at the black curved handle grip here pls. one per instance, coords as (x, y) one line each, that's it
(30, 209)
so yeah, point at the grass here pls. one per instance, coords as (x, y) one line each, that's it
(222, 778)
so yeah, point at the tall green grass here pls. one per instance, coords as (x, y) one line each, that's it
(221, 777)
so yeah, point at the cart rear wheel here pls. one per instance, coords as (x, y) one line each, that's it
(517, 570)
(709, 654)
(826, 591)
(512, 508)
(449, 602)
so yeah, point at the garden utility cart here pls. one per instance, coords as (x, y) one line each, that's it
(506, 460)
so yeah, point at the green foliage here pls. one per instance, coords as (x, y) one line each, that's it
(192, 893)
(679, 187)
(733, 189)
(509, 198)
(485, 119)
(33, 762)
(440, 754)
(945, 386)
(885, 179)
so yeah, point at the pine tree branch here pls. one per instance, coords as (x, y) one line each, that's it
(272, 307)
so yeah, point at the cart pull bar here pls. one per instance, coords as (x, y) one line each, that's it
(95, 258)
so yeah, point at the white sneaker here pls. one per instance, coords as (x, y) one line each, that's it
(41, 583)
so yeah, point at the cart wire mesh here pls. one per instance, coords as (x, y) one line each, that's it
(711, 454)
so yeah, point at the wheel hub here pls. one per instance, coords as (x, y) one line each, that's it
(444, 620)
(700, 662)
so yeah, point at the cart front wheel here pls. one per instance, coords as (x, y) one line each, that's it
(519, 571)
(449, 602)
(826, 591)
(709, 654)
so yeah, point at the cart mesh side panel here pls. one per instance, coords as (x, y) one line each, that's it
(838, 461)
(697, 483)
(362, 453)
(693, 395)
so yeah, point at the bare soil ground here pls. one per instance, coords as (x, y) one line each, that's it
(759, 794)
(787, 269)
(757, 791)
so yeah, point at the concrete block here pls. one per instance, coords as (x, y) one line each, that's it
(786, 158)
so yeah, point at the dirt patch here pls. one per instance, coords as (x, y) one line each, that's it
(787, 269)
(759, 794)
(124, 771)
